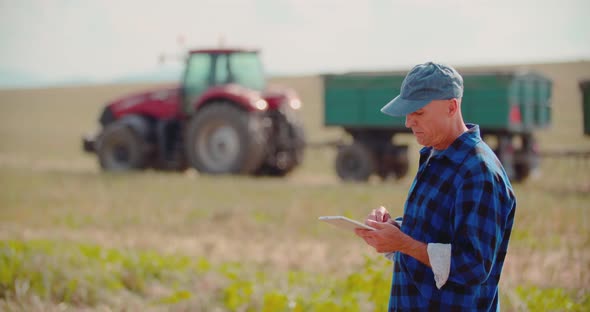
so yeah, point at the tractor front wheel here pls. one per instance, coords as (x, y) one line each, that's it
(119, 148)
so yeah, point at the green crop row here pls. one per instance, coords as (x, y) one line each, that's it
(80, 275)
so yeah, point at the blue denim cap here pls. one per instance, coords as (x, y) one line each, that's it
(423, 84)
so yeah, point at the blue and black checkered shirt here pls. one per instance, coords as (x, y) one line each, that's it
(463, 197)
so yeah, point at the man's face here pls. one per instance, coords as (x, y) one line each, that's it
(430, 124)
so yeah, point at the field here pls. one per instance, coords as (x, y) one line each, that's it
(73, 238)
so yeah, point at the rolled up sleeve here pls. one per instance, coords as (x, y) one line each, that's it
(439, 256)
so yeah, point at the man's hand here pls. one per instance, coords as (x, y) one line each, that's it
(386, 238)
(380, 215)
(389, 238)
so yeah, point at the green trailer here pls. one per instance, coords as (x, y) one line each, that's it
(585, 86)
(509, 106)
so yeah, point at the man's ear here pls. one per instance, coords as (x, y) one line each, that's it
(453, 107)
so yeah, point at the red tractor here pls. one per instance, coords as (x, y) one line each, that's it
(222, 120)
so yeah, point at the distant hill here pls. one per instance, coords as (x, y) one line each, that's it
(157, 75)
(12, 79)
(19, 79)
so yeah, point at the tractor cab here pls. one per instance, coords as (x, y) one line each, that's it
(218, 67)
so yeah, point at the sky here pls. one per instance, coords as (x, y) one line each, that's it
(60, 40)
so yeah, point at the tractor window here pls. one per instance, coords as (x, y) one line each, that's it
(221, 69)
(198, 71)
(196, 80)
(246, 70)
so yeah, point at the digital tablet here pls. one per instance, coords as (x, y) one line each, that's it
(345, 223)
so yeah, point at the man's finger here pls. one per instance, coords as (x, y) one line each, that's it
(383, 214)
(361, 232)
(377, 225)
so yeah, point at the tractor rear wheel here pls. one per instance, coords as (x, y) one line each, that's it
(119, 148)
(223, 139)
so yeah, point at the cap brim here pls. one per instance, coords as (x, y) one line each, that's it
(401, 107)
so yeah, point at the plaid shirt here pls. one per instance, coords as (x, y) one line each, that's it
(460, 196)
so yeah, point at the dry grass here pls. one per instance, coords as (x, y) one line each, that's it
(52, 191)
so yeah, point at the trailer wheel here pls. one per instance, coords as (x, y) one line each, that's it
(505, 153)
(355, 162)
(526, 159)
(119, 148)
(522, 165)
(402, 164)
(223, 139)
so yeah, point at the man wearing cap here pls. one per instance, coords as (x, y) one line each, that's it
(448, 253)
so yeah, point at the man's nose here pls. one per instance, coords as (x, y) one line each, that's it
(409, 121)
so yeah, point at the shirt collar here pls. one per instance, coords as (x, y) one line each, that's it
(457, 151)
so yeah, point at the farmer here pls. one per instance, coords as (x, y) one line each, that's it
(448, 253)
